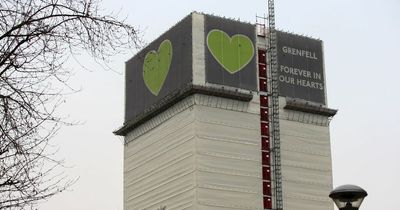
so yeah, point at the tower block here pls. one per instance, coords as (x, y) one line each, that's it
(197, 127)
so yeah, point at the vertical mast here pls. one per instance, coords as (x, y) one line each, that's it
(274, 100)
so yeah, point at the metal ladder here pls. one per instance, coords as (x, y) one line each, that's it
(274, 100)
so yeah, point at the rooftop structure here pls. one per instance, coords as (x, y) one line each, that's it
(198, 119)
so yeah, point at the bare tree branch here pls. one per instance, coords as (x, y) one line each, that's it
(36, 38)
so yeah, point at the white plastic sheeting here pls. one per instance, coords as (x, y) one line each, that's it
(306, 162)
(159, 167)
(228, 159)
(208, 156)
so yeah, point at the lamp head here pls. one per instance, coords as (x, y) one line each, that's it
(348, 197)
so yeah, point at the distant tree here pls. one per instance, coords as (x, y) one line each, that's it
(36, 38)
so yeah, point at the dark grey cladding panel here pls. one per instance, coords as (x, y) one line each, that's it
(148, 78)
(226, 43)
(301, 67)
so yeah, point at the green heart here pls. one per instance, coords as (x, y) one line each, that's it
(233, 53)
(156, 66)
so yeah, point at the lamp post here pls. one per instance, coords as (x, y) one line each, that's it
(348, 197)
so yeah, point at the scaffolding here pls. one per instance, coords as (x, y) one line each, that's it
(269, 32)
(274, 96)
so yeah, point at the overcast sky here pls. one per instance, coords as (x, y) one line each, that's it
(361, 45)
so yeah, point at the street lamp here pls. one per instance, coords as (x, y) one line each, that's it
(348, 197)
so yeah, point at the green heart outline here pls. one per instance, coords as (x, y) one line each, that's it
(156, 66)
(230, 65)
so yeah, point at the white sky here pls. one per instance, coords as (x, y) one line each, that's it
(361, 39)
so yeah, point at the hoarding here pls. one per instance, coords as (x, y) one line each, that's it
(230, 53)
(300, 67)
(164, 66)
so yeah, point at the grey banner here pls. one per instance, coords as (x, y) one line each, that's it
(230, 53)
(300, 67)
(161, 68)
